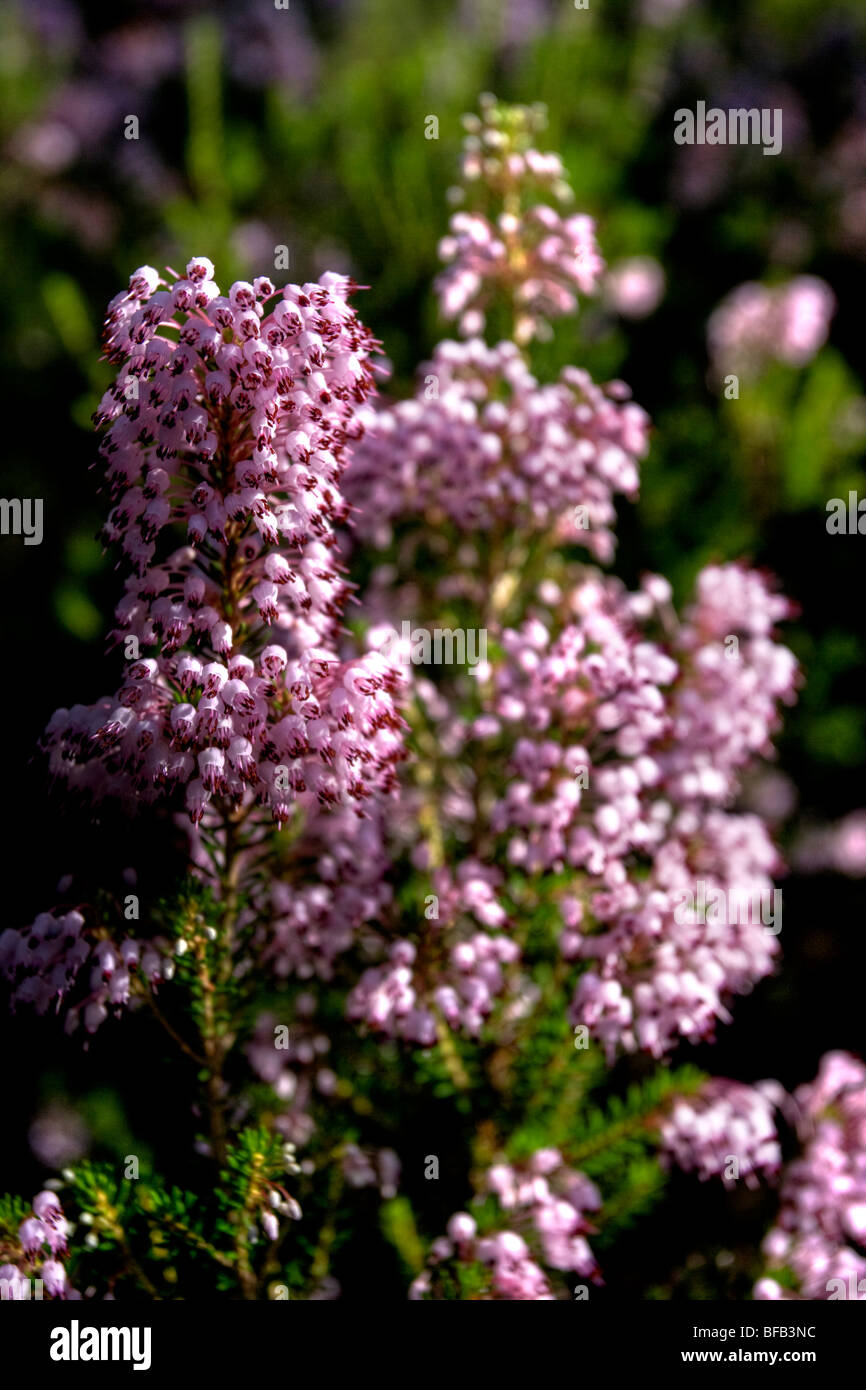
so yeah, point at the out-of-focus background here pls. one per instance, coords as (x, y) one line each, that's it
(304, 127)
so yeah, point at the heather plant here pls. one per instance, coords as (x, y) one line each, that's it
(461, 891)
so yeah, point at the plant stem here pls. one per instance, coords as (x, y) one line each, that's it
(172, 1032)
(194, 1239)
(450, 1055)
(246, 1273)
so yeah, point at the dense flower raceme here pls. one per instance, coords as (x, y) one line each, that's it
(727, 1130)
(618, 758)
(231, 417)
(313, 920)
(549, 1210)
(42, 1239)
(515, 244)
(756, 324)
(820, 1232)
(455, 973)
(661, 745)
(602, 751)
(485, 446)
(58, 960)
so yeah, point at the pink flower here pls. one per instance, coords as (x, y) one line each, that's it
(634, 288)
(820, 1234)
(517, 243)
(727, 1130)
(14, 1286)
(494, 448)
(756, 324)
(32, 1234)
(238, 432)
(54, 1278)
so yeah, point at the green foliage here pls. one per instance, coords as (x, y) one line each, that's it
(821, 438)
(605, 1136)
(398, 1226)
(254, 1162)
(172, 1242)
(13, 1210)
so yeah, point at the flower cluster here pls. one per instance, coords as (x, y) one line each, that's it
(727, 1130)
(457, 971)
(314, 920)
(296, 1070)
(278, 1202)
(470, 975)
(628, 757)
(656, 977)
(510, 1273)
(603, 739)
(548, 1207)
(615, 757)
(551, 1202)
(516, 244)
(757, 324)
(45, 1231)
(59, 957)
(820, 1232)
(570, 792)
(485, 446)
(230, 420)
(379, 1168)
